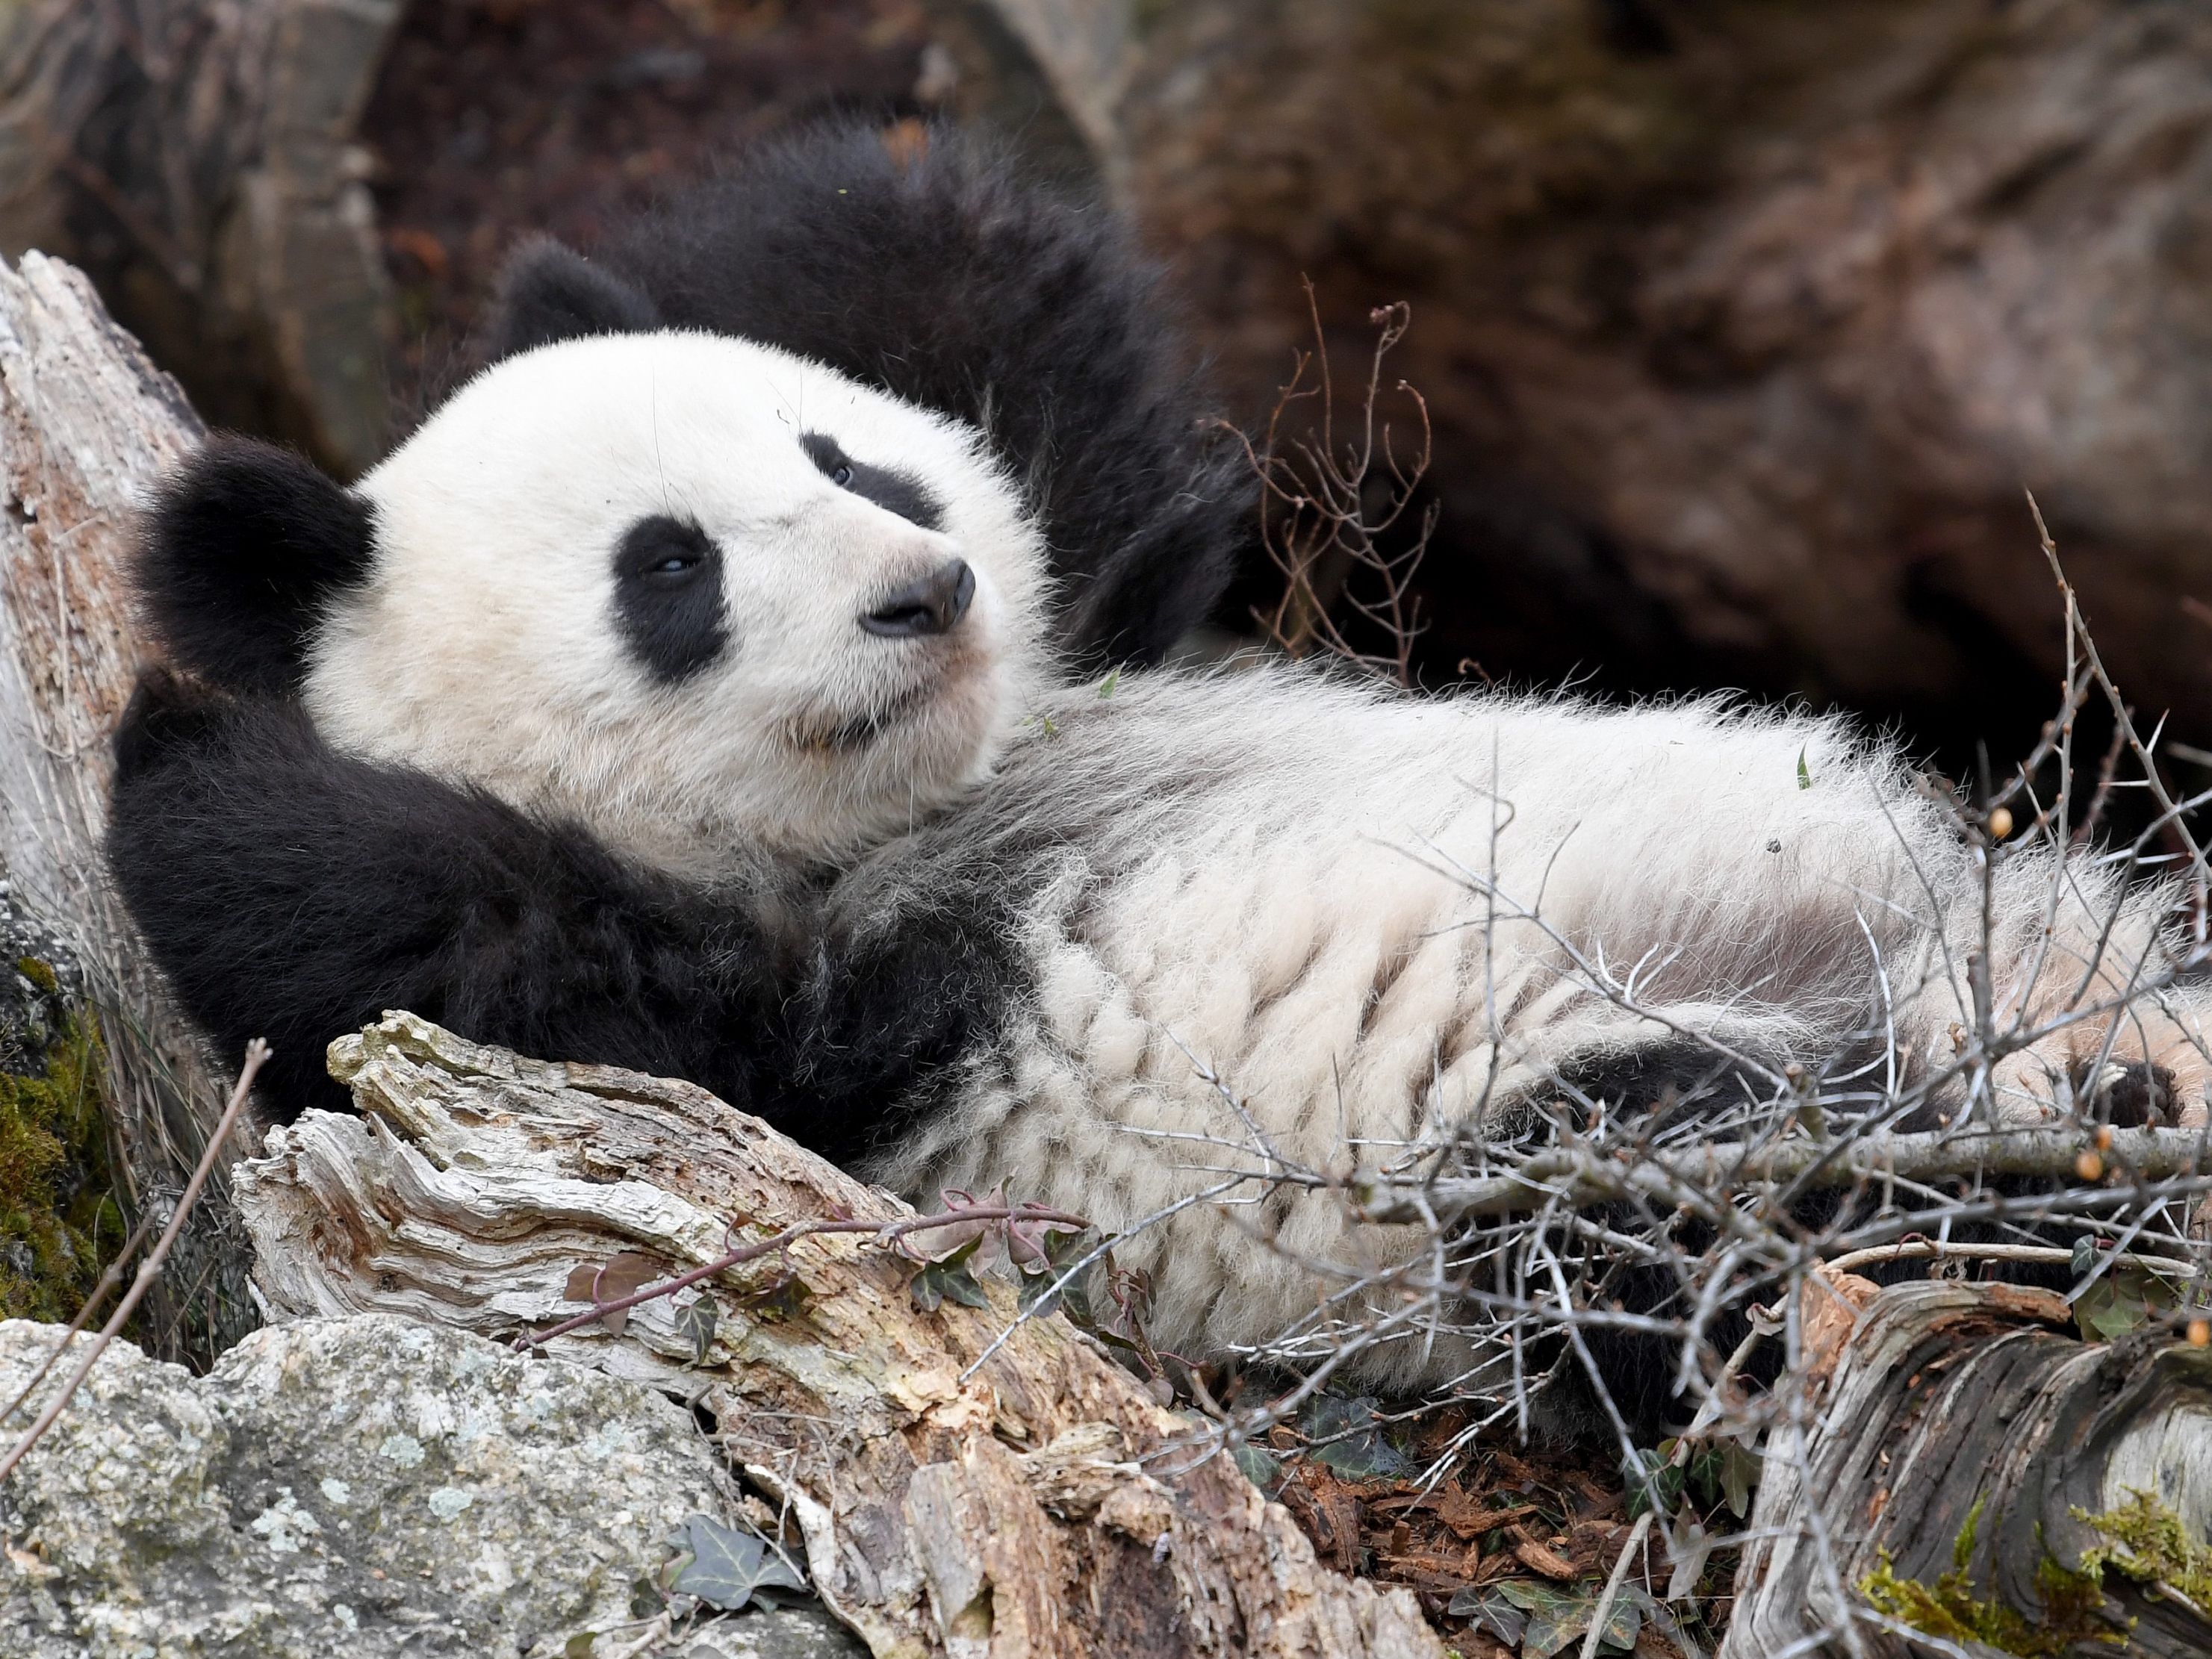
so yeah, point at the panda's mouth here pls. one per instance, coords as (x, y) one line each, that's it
(832, 734)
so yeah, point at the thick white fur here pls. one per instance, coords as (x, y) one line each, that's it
(483, 646)
(1292, 882)
(1378, 918)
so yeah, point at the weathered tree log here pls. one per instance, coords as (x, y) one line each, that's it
(1040, 1506)
(86, 424)
(198, 161)
(1971, 1407)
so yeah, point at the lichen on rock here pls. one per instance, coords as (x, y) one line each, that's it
(362, 1485)
(60, 1220)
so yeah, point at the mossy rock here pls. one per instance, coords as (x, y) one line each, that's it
(60, 1220)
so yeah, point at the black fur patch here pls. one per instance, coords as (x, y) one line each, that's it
(550, 292)
(245, 545)
(295, 893)
(894, 491)
(668, 598)
(952, 283)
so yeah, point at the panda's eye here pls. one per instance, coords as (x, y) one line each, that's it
(892, 490)
(676, 564)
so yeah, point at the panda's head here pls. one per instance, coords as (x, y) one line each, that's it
(699, 593)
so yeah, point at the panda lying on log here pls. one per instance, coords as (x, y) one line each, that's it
(685, 701)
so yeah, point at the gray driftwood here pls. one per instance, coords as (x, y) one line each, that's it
(86, 424)
(1039, 1507)
(1950, 1396)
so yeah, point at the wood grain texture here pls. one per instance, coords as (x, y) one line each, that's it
(1949, 1396)
(1040, 1507)
(87, 425)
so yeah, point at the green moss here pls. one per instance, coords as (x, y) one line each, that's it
(2072, 1605)
(59, 1221)
(2149, 1545)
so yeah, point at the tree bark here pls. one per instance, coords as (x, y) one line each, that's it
(198, 161)
(87, 425)
(1039, 1506)
(1953, 1402)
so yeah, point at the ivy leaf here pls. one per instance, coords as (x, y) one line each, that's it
(2123, 1301)
(784, 1297)
(622, 1273)
(1557, 1617)
(1688, 1547)
(1489, 1610)
(1261, 1467)
(1063, 1247)
(1354, 1447)
(723, 1566)
(949, 1279)
(1657, 1474)
(695, 1321)
(956, 1237)
(1739, 1474)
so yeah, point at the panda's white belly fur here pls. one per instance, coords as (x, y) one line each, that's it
(1313, 893)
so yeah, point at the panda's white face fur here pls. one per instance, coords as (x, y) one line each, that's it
(699, 593)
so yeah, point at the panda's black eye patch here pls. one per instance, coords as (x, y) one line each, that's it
(894, 491)
(668, 598)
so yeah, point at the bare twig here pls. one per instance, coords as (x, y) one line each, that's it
(256, 1053)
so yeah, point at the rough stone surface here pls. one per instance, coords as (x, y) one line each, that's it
(361, 1486)
(1742, 325)
(33, 1016)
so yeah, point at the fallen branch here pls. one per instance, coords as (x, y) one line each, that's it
(1044, 1505)
(1963, 1432)
(1582, 1177)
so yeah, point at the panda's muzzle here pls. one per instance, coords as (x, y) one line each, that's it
(933, 605)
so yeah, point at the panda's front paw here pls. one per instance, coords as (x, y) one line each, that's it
(2040, 1087)
(168, 713)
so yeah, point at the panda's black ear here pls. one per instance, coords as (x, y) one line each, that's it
(244, 547)
(551, 292)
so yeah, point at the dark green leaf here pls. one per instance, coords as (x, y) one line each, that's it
(782, 1298)
(1490, 1610)
(696, 1322)
(1261, 1467)
(1348, 1440)
(1557, 1616)
(937, 1283)
(723, 1566)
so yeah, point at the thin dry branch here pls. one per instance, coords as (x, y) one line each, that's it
(148, 1270)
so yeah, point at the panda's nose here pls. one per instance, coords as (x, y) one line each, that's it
(933, 605)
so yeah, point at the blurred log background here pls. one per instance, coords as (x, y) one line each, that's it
(1743, 325)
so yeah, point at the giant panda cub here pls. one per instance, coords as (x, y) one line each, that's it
(674, 700)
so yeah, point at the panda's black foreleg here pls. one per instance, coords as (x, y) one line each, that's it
(294, 893)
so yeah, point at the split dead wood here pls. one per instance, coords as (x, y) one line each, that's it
(1044, 1506)
(1969, 1413)
(87, 425)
